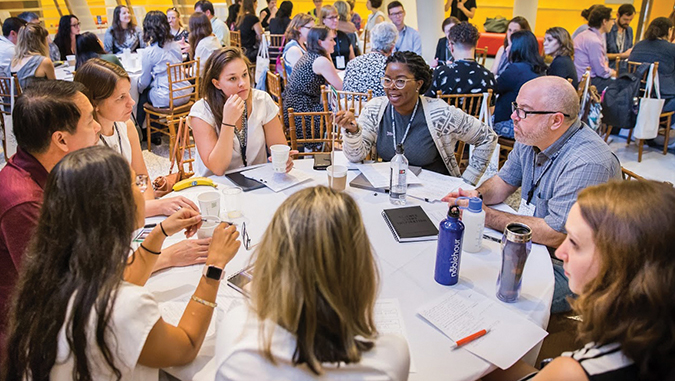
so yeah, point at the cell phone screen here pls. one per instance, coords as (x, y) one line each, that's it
(241, 280)
(321, 162)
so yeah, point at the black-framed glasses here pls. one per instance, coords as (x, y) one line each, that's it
(399, 83)
(246, 240)
(522, 114)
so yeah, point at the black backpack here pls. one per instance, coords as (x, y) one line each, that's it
(619, 104)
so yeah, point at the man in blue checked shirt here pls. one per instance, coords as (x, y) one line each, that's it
(554, 157)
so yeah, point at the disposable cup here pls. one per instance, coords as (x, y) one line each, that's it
(280, 154)
(233, 201)
(337, 177)
(209, 203)
(71, 60)
(208, 226)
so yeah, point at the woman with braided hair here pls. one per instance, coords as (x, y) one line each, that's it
(429, 129)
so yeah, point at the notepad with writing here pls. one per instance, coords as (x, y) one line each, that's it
(410, 224)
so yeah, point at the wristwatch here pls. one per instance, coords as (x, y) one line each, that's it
(214, 272)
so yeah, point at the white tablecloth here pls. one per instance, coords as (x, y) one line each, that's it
(65, 72)
(406, 273)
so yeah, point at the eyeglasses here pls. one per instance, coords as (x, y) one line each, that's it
(522, 114)
(399, 83)
(396, 14)
(245, 237)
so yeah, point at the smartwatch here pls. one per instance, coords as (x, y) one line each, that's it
(214, 272)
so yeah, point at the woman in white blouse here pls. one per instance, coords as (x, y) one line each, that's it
(233, 125)
(90, 316)
(202, 40)
(310, 314)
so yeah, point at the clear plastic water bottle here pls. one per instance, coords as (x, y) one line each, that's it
(398, 185)
(474, 223)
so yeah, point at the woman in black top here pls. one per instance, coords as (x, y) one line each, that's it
(558, 44)
(443, 55)
(249, 26)
(343, 47)
(267, 13)
(279, 23)
(69, 27)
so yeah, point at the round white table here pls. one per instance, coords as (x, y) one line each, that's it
(406, 271)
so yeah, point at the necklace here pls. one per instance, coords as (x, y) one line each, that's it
(393, 123)
(242, 135)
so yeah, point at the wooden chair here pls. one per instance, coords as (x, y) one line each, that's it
(185, 143)
(235, 38)
(275, 49)
(481, 55)
(582, 82)
(470, 104)
(315, 130)
(5, 105)
(505, 148)
(282, 69)
(347, 100)
(366, 40)
(629, 175)
(178, 75)
(274, 89)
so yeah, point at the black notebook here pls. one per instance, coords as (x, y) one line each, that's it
(410, 224)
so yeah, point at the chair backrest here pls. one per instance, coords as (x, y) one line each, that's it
(366, 41)
(314, 129)
(629, 175)
(184, 143)
(469, 103)
(582, 82)
(275, 48)
(179, 74)
(235, 38)
(632, 67)
(6, 93)
(481, 55)
(347, 100)
(274, 89)
(282, 70)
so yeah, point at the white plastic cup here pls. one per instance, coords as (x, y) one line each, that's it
(233, 201)
(280, 154)
(71, 60)
(208, 227)
(209, 203)
(337, 177)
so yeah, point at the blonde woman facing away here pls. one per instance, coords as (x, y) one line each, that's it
(31, 59)
(233, 125)
(310, 314)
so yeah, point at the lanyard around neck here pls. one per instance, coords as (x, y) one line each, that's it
(242, 136)
(393, 123)
(119, 139)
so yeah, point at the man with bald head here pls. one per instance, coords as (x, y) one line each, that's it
(554, 157)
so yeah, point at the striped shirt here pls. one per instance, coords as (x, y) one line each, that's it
(578, 159)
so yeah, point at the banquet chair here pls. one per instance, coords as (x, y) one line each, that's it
(315, 130)
(505, 148)
(274, 89)
(481, 55)
(282, 70)
(275, 49)
(470, 104)
(630, 175)
(181, 72)
(347, 100)
(5, 105)
(235, 38)
(185, 144)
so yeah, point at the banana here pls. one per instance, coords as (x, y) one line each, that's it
(193, 182)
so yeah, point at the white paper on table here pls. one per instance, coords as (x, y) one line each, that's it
(462, 312)
(389, 320)
(277, 181)
(341, 159)
(378, 174)
(434, 186)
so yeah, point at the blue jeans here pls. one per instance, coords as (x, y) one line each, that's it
(561, 290)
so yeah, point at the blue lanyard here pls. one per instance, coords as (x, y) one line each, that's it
(393, 123)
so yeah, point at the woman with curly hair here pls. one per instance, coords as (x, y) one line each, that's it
(310, 315)
(618, 255)
(69, 28)
(558, 44)
(123, 33)
(162, 50)
(428, 128)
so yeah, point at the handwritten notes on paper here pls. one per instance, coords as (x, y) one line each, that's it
(276, 181)
(378, 174)
(388, 319)
(434, 186)
(462, 311)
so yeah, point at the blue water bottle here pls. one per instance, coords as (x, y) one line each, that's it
(449, 251)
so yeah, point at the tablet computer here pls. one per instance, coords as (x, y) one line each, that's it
(244, 182)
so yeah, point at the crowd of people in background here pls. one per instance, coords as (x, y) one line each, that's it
(71, 179)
